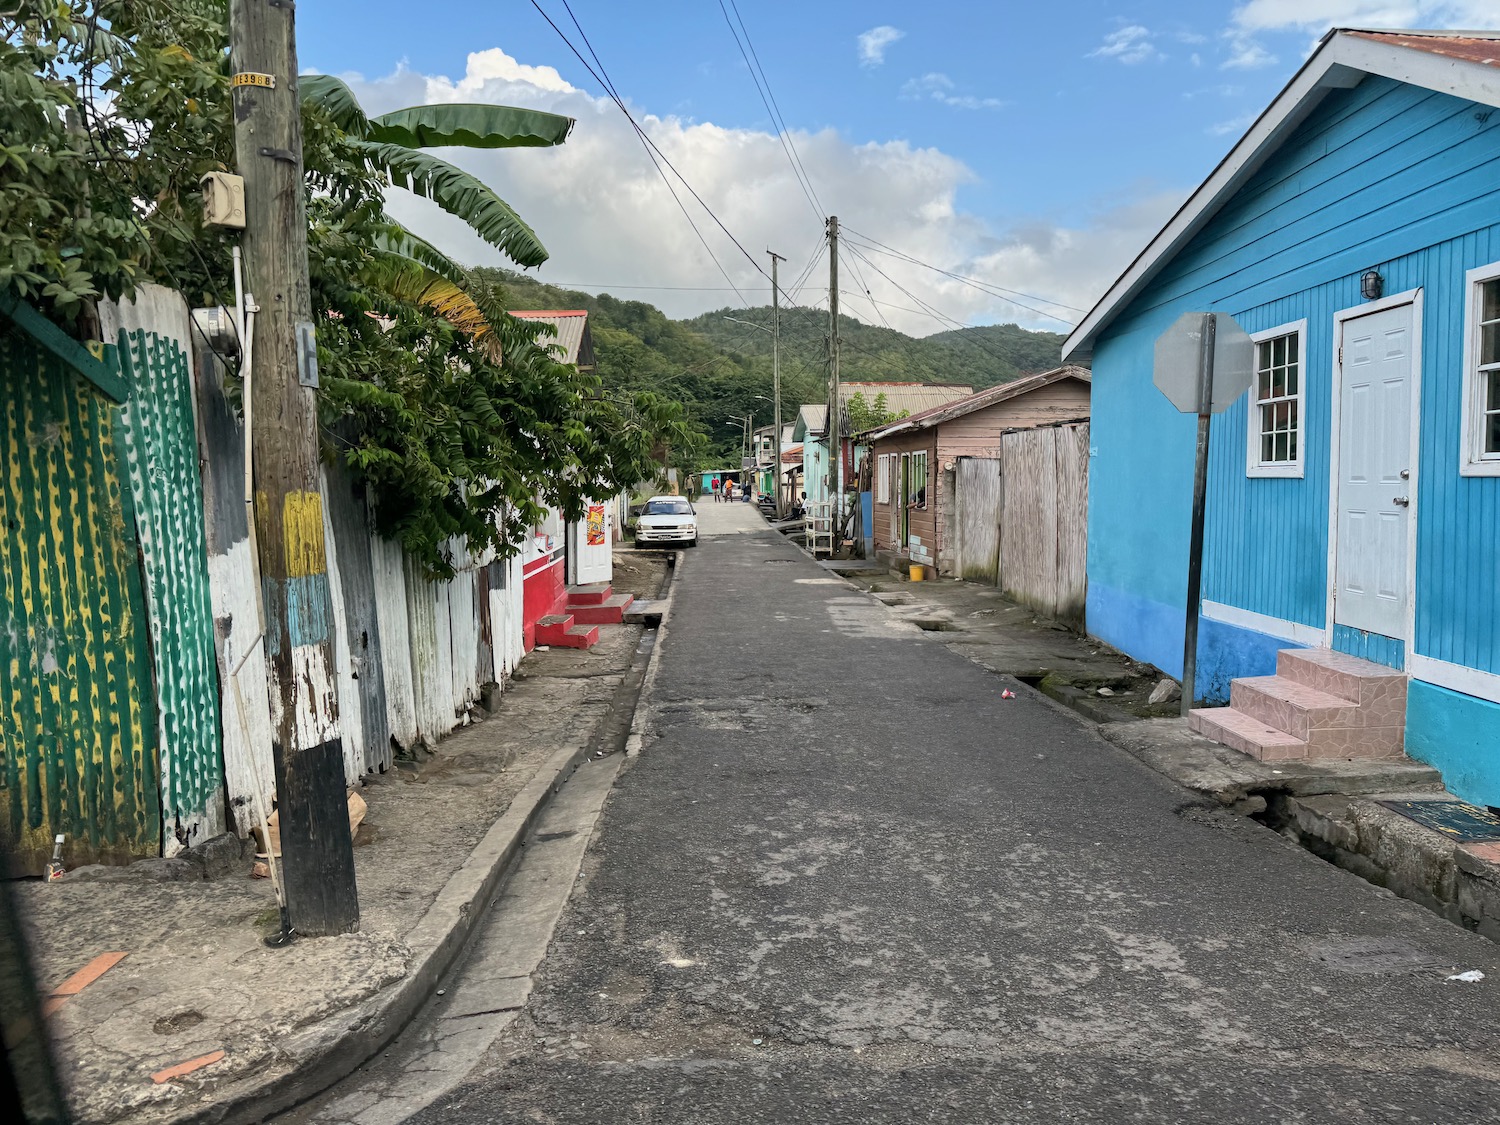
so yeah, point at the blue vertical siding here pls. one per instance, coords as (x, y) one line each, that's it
(1384, 175)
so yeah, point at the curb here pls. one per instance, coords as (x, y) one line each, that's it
(325, 1055)
(640, 724)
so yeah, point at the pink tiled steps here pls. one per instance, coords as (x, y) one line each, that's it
(1320, 704)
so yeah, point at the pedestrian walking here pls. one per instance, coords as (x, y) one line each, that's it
(716, 490)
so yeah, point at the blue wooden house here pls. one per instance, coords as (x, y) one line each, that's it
(1351, 592)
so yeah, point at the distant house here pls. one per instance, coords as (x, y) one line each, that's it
(567, 563)
(812, 423)
(917, 483)
(1351, 586)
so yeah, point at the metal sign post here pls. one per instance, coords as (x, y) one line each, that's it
(1203, 363)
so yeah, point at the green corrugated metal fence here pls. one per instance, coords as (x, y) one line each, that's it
(78, 751)
(161, 447)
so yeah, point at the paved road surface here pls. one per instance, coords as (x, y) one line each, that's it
(851, 883)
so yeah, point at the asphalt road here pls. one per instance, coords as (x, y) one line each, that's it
(849, 882)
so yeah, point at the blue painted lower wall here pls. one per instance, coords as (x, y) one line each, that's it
(1460, 736)
(1370, 646)
(1152, 631)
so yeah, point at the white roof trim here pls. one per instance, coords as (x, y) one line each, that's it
(1341, 61)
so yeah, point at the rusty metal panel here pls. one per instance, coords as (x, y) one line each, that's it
(389, 578)
(349, 527)
(245, 699)
(78, 725)
(161, 447)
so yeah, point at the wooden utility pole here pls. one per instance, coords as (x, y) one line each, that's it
(834, 427)
(776, 383)
(317, 852)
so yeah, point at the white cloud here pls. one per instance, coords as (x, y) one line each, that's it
(1235, 125)
(1246, 54)
(940, 88)
(1282, 15)
(599, 206)
(872, 43)
(1130, 45)
(1268, 16)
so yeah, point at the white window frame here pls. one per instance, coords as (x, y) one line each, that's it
(1254, 466)
(1472, 461)
(883, 479)
(926, 485)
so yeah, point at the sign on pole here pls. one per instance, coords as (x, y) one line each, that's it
(1203, 363)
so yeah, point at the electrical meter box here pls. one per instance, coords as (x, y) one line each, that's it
(223, 199)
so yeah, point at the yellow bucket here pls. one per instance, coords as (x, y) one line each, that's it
(918, 572)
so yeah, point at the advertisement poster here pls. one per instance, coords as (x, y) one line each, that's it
(596, 525)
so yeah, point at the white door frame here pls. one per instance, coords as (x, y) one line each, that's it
(1412, 297)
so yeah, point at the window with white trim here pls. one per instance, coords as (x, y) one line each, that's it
(1481, 448)
(916, 480)
(1278, 403)
(883, 479)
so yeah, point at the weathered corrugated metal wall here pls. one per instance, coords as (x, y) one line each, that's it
(387, 567)
(1044, 477)
(431, 654)
(161, 446)
(77, 719)
(978, 516)
(360, 632)
(232, 593)
(346, 680)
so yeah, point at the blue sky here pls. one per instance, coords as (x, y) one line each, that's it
(1037, 145)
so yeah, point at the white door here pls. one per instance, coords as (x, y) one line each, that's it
(1374, 472)
(590, 550)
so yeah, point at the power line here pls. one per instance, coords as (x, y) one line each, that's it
(604, 81)
(867, 295)
(763, 87)
(989, 288)
(602, 77)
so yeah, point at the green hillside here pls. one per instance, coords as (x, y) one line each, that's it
(721, 368)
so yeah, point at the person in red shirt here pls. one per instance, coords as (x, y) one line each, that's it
(716, 490)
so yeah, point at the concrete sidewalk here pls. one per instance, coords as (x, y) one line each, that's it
(174, 1010)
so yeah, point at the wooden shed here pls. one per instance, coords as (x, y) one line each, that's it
(932, 469)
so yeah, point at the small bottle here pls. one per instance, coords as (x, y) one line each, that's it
(55, 869)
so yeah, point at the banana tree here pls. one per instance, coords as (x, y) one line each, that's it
(392, 144)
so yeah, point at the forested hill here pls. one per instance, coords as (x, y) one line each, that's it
(720, 368)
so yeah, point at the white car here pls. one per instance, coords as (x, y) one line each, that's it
(669, 521)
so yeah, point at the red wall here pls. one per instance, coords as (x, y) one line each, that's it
(544, 591)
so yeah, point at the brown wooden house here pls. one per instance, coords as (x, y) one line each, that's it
(915, 461)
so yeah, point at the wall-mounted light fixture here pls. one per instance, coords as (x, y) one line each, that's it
(1371, 285)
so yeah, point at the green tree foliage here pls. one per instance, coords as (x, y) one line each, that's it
(861, 415)
(451, 410)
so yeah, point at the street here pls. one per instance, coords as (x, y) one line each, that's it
(847, 880)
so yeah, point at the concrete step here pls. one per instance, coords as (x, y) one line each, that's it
(611, 611)
(1361, 681)
(561, 631)
(1290, 706)
(593, 594)
(1246, 734)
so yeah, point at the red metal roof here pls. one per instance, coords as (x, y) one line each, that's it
(1482, 49)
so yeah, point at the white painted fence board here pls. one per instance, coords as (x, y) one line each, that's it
(389, 573)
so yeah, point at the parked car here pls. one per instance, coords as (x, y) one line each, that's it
(668, 521)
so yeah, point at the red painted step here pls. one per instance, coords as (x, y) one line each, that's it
(611, 611)
(593, 594)
(558, 629)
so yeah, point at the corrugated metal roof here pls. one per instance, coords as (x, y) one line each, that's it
(948, 411)
(1481, 47)
(910, 397)
(572, 331)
